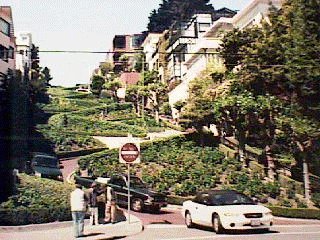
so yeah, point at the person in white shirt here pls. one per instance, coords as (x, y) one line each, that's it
(110, 205)
(78, 201)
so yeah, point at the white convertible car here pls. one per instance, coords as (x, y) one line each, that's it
(226, 209)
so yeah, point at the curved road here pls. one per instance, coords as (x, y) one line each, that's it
(169, 224)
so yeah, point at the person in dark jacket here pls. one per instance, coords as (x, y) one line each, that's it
(94, 192)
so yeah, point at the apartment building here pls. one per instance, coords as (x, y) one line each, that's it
(23, 55)
(149, 48)
(7, 41)
(124, 49)
(203, 50)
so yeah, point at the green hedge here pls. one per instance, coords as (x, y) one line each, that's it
(228, 152)
(295, 212)
(94, 127)
(37, 200)
(172, 126)
(24, 216)
(291, 184)
(67, 154)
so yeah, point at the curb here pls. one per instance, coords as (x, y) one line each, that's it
(56, 225)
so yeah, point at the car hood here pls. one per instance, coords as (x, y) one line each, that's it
(241, 209)
(147, 191)
(47, 170)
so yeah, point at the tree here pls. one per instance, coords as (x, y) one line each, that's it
(234, 47)
(280, 60)
(113, 86)
(106, 68)
(40, 78)
(97, 84)
(45, 72)
(132, 95)
(157, 92)
(170, 11)
(302, 51)
(154, 90)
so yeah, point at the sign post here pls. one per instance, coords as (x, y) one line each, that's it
(129, 153)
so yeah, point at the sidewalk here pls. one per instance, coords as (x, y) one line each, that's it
(64, 231)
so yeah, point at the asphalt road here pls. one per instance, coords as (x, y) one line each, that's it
(69, 165)
(169, 224)
(181, 232)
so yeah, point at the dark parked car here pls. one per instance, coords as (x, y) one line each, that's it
(46, 166)
(142, 197)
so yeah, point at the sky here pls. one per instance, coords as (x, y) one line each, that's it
(86, 25)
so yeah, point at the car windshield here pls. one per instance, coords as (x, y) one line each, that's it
(45, 161)
(137, 182)
(229, 198)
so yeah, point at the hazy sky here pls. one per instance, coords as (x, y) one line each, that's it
(83, 25)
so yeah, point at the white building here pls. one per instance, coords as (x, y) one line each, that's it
(253, 13)
(23, 56)
(204, 49)
(149, 46)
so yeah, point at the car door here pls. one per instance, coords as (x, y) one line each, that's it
(200, 208)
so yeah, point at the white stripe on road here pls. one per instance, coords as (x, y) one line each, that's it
(184, 226)
(152, 226)
(295, 226)
(232, 237)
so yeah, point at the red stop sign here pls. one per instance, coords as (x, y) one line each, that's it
(129, 152)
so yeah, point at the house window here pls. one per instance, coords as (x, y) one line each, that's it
(136, 41)
(204, 27)
(4, 27)
(11, 53)
(119, 42)
(3, 53)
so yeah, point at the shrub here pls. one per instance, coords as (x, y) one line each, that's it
(38, 201)
(286, 203)
(295, 212)
(272, 189)
(316, 199)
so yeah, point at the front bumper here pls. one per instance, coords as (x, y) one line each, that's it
(243, 223)
(155, 204)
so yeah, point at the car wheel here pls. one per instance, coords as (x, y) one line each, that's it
(137, 205)
(216, 224)
(188, 220)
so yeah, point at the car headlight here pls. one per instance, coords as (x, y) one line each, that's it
(229, 214)
(60, 178)
(150, 199)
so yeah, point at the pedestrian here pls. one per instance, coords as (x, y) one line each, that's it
(78, 201)
(110, 205)
(94, 192)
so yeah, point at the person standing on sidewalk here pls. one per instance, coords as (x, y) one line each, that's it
(78, 201)
(94, 192)
(110, 205)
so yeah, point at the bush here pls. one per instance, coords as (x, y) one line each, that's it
(295, 212)
(272, 189)
(316, 199)
(38, 200)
